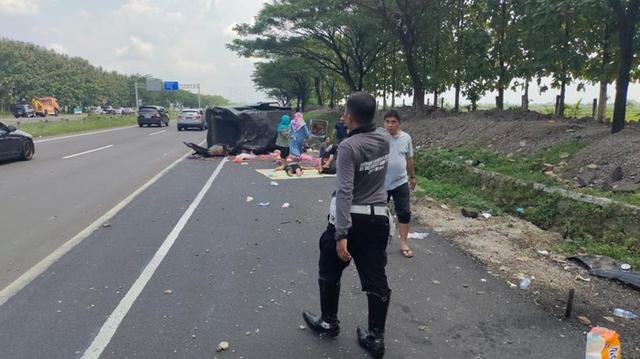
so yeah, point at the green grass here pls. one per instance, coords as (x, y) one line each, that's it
(580, 110)
(50, 128)
(521, 166)
(531, 167)
(454, 194)
(611, 230)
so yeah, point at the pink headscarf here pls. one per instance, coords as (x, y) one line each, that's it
(298, 121)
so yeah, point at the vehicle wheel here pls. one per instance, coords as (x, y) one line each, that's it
(179, 128)
(140, 125)
(27, 151)
(202, 128)
(56, 113)
(45, 114)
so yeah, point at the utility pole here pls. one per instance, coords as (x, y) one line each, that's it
(135, 84)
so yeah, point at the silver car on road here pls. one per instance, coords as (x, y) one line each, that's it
(191, 118)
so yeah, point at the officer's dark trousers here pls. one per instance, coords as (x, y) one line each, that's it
(367, 243)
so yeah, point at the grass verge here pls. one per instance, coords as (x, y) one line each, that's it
(532, 167)
(45, 128)
(612, 230)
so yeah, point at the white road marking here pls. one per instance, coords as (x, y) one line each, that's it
(112, 323)
(86, 152)
(155, 133)
(82, 134)
(35, 271)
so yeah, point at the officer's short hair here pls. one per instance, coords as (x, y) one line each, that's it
(393, 113)
(362, 106)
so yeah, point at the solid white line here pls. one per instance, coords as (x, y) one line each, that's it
(86, 152)
(35, 271)
(112, 323)
(82, 134)
(155, 133)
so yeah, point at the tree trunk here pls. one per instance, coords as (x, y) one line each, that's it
(414, 74)
(384, 97)
(456, 105)
(563, 91)
(435, 99)
(418, 100)
(500, 98)
(317, 82)
(525, 97)
(626, 31)
(602, 102)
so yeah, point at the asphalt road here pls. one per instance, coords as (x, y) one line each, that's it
(46, 201)
(185, 266)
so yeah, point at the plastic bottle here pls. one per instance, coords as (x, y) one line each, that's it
(525, 283)
(624, 314)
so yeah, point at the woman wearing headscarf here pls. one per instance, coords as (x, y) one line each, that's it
(284, 137)
(299, 133)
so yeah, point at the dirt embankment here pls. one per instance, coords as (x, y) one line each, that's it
(530, 132)
(509, 248)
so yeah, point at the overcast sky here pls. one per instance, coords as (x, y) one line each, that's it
(181, 40)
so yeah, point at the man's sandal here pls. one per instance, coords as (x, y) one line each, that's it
(408, 253)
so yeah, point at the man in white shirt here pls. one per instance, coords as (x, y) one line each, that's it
(401, 176)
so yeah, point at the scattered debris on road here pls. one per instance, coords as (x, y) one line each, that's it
(264, 204)
(621, 313)
(286, 205)
(224, 345)
(168, 291)
(249, 199)
(418, 235)
(607, 267)
(584, 320)
(469, 213)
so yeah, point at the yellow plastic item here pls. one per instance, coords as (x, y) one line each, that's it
(603, 343)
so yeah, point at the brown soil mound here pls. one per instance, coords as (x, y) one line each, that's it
(530, 132)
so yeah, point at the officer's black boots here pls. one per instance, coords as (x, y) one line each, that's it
(327, 322)
(373, 339)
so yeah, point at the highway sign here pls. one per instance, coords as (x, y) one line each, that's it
(171, 86)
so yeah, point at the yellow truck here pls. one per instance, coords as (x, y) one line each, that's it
(45, 106)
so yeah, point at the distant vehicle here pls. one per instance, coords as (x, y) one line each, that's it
(95, 110)
(153, 115)
(23, 110)
(191, 118)
(15, 144)
(127, 111)
(109, 110)
(77, 110)
(46, 106)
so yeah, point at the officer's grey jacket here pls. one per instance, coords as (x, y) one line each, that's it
(361, 170)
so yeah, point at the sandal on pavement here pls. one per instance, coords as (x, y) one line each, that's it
(408, 253)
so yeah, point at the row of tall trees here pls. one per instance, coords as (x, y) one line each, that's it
(28, 71)
(423, 47)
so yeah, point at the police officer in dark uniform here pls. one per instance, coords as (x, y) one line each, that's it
(358, 227)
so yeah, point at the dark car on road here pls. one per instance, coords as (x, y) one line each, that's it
(23, 110)
(153, 115)
(15, 144)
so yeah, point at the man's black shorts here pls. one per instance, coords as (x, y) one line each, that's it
(402, 202)
(284, 152)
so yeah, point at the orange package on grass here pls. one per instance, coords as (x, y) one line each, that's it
(603, 343)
